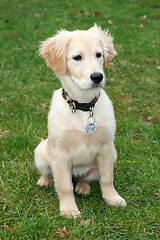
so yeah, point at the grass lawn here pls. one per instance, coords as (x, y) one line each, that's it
(27, 84)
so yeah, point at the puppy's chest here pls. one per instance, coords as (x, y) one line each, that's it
(83, 147)
(84, 154)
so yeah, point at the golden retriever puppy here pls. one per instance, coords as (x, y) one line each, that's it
(81, 123)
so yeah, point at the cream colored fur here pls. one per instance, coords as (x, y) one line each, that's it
(69, 150)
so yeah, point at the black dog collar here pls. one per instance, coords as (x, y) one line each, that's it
(74, 105)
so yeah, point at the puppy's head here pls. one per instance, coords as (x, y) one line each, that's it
(80, 55)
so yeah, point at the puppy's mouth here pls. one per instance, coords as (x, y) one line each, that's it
(97, 85)
(94, 85)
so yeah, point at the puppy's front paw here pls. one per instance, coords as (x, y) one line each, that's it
(45, 181)
(116, 201)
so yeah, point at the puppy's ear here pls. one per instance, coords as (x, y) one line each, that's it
(108, 48)
(54, 50)
(106, 41)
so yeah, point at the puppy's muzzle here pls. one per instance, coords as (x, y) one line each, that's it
(96, 78)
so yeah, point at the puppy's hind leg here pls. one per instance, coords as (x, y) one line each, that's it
(82, 186)
(41, 158)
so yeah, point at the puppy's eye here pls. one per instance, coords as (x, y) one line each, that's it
(77, 58)
(98, 55)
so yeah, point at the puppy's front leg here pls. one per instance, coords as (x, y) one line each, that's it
(105, 162)
(62, 167)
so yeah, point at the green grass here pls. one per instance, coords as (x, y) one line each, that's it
(28, 212)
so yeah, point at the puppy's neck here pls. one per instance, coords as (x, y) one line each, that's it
(77, 93)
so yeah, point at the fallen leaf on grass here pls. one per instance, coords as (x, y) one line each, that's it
(62, 232)
(150, 118)
(94, 235)
(98, 14)
(141, 25)
(81, 13)
(90, 14)
(110, 21)
(7, 21)
(143, 17)
(100, 203)
(85, 222)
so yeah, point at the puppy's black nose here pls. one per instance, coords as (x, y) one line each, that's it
(96, 77)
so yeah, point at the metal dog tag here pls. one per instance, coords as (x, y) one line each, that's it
(91, 126)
